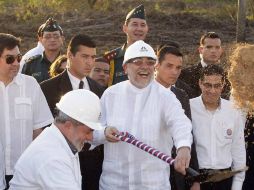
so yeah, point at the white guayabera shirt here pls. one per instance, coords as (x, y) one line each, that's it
(2, 175)
(153, 115)
(219, 138)
(23, 109)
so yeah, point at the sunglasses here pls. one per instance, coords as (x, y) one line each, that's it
(11, 58)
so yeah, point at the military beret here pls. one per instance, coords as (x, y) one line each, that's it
(50, 25)
(137, 12)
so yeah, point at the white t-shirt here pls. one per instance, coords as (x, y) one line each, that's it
(23, 109)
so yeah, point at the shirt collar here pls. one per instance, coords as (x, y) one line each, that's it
(203, 105)
(17, 79)
(203, 63)
(75, 81)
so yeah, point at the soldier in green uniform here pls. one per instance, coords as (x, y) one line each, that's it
(135, 28)
(51, 37)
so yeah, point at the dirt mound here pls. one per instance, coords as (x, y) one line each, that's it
(105, 28)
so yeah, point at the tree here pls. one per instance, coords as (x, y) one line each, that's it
(241, 21)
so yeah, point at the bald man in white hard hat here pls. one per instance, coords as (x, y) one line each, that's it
(151, 113)
(51, 161)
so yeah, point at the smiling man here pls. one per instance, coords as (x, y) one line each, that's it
(135, 28)
(23, 108)
(151, 113)
(218, 131)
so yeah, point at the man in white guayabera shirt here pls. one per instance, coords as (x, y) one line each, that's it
(23, 107)
(153, 115)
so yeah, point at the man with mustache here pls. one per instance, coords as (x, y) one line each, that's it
(151, 113)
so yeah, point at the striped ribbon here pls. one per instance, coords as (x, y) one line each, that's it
(127, 137)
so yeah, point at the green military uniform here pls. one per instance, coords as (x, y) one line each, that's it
(115, 59)
(38, 67)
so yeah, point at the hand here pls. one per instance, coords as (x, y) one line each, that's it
(182, 160)
(195, 186)
(110, 132)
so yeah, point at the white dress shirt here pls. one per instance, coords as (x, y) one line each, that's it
(2, 169)
(38, 50)
(153, 115)
(219, 138)
(47, 164)
(75, 82)
(23, 109)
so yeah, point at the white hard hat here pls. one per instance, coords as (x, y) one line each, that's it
(83, 106)
(139, 49)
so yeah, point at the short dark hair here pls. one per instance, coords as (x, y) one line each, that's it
(8, 41)
(101, 59)
(78, 40)
(168, 50)
(212, 35)
(212, 69)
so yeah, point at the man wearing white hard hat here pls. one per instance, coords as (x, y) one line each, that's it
(151, 113)
(51, 161)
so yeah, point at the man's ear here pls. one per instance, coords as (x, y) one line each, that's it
(69, 55)
(199, 83)
(200, 49)
(124, 28)
(125, 68)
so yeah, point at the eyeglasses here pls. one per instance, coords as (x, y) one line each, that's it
(9, 59)
(139, 62)
(210, 86)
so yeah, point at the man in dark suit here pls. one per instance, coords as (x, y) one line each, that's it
(168, 69)
(81, 56)
(210, 51)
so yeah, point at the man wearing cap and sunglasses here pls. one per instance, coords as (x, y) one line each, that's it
(51, 161)
(151, 113)
(51, 36)
(24, 110)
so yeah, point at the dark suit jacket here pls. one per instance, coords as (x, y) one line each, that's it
(184, 86)
(191, 75)
(90, 161)
(177, 180)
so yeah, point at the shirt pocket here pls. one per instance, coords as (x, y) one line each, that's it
(226, 133)
(23, 108)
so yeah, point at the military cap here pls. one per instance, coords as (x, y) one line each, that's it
(137, 12)
(50, 25)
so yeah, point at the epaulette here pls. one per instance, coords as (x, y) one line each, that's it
(33, 58)
(111, 54)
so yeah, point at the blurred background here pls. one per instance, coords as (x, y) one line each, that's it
(183, 21)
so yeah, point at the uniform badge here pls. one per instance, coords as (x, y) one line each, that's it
(229, 132)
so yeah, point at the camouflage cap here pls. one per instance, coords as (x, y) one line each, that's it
(137, 12)
(50, 25)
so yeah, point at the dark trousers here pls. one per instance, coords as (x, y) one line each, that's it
(221, 185)
(8, 179)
